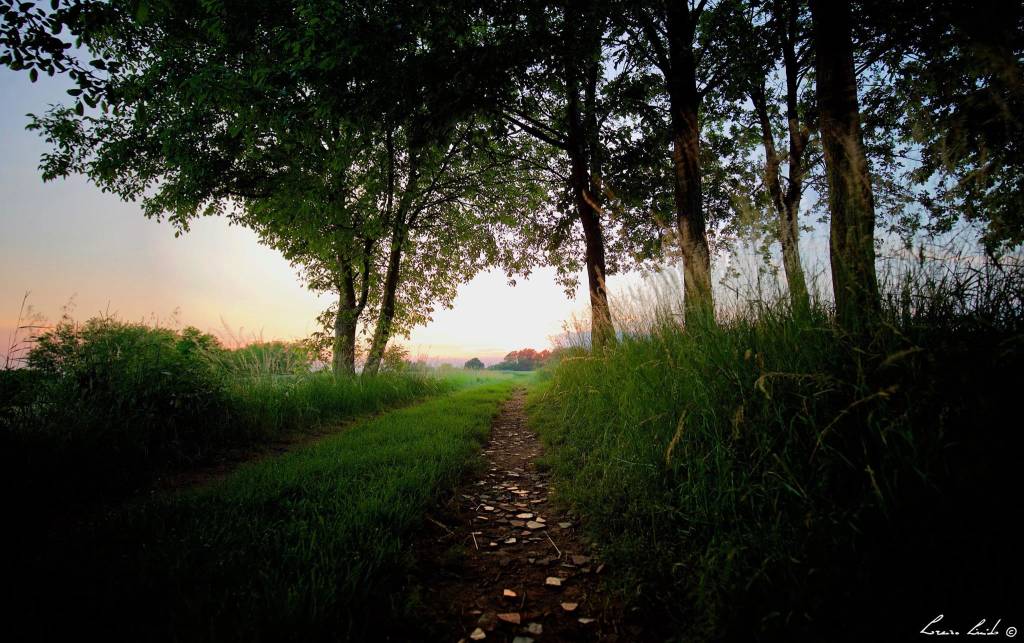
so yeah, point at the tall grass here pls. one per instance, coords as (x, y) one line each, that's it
(768, 478)
(270, 406)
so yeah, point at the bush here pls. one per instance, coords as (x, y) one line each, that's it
(101, 404)
(145, 383)
(768, 477)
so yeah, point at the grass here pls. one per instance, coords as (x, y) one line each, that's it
(105, 406)
(265, 407)
(311, 545)
(461, 377)
(80, 449)
(768, 478)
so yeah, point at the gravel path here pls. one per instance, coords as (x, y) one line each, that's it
(499, 563)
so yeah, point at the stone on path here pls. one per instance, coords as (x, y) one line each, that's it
(488, 621)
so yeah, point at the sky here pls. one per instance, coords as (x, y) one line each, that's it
(67, 243)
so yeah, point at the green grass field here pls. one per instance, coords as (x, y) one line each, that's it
(310, 545)
(105, 407)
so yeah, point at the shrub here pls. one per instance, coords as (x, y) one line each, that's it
(145, 384)
(101, 403)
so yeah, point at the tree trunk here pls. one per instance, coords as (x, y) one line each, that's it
(789, 221)
(345, 324)
(382, 333)
(601, 328)
(399, 231)
(684, 102)
(789, 239)
(786, 203)
(851, 203)
(584, 155)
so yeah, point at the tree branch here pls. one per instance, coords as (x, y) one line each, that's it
(549, 138)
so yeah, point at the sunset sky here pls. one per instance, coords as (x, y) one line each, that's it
(65, 241)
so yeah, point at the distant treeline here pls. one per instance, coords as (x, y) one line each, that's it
(526, 359)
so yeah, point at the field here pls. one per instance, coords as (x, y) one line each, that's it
(308, 545)
(166, 488)
(762, 475)
(105, 408)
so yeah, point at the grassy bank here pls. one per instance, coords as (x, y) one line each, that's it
(768, 478)
(306, 546)
(103, 407)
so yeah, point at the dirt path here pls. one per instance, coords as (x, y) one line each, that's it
(498, 563)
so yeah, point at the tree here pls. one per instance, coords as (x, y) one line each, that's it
(780, 39)
(850, 196)
(673, 38)
(454, 206)
(558, 103)
(322, 216)
(211, 109)
(393, 235)
(526, 359)
(943, 91)
(566, 115)
(474, 364)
